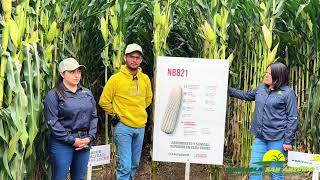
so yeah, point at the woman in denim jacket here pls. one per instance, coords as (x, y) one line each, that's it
(70, 111)
(275, 117)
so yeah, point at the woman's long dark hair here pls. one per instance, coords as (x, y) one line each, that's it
(58, 87)
(280, 75)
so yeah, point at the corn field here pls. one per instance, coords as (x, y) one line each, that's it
(37, 35)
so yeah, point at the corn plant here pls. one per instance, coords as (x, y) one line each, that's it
(117, 22)
(162, 25)
(26, 75)
(305, 75)
(214, 31)
(6, 7)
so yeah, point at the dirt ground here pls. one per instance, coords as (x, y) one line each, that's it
(166, 171)
(173, 171)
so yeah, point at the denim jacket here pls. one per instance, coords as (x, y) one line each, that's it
(275, 114)
(75, 113)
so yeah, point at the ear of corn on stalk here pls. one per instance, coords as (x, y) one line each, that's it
(6, 7)
(58, 11)
(14, 33)
(267, 36)
(66, 27)
(20, 20)
(53, 32)
(272, 54)
(170, 117)
(5, 37)
(103, 26)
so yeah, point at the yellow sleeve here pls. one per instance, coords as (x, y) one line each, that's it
(106, 97)
(149, 93)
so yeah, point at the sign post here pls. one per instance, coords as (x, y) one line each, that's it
(187, 172)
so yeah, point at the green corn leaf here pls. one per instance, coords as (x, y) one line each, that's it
(31, 80)
(18, 167)
(14, 33)
(29, 151)
(2, 135)
(230, 58)
(4, 115)
(13, 144)
(24, 137)
(301, 8)
(5, 37)
(37, 77)
(5, 161)
(11, 74)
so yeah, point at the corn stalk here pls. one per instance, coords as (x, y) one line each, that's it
(6, 7)
(306, 75)
(215, 36)
(118, 27)
(104, 22)
(161, 29)
(162, 26)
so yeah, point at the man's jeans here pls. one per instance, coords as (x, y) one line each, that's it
(129, 143)
(259, 148)
(64, 156)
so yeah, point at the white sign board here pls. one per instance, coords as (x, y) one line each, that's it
(99, 155)
(190, 110)
(299, 159)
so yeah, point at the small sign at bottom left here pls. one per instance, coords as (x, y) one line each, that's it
(99, 155)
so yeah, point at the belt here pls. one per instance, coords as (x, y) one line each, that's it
(78, 134)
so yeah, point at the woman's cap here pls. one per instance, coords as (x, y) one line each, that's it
(69, 64)
(132, 48)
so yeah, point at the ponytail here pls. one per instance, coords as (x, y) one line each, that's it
(58, 87)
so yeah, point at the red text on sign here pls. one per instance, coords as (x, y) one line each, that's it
(177, 72)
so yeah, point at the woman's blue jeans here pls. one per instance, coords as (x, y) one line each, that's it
(64, 156)
(259, 148)
(129, 143)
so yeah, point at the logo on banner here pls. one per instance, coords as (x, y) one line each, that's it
(272, 156)
(316, 161)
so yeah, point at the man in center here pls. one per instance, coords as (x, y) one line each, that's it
(125, 97)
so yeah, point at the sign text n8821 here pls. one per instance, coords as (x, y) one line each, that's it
(177, 72)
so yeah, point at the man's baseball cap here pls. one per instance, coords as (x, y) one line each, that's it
(132, 48)
(69, 64)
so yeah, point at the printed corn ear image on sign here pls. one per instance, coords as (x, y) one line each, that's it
(170, 117)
